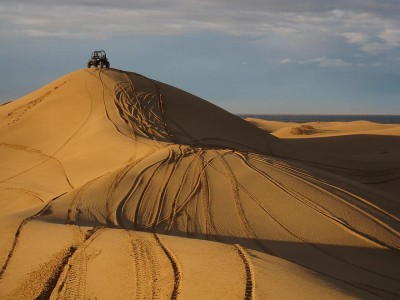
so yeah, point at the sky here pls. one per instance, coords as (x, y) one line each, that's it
(254, 56)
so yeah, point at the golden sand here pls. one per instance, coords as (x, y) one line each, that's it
(116, 186)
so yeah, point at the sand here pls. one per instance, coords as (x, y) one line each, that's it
(370, 151)
(116, 186)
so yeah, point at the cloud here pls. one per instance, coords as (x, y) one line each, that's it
(355, 37)
(391, 37)
(375, 48)
(295, 27)
(326, 62)
(175, 17)
(286, 61)
(374, 44)
(323, 62)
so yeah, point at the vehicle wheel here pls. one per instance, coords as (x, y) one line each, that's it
(89, 65)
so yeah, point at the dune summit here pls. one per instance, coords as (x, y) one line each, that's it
(116, 186)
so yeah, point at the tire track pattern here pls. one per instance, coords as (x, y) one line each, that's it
(204, 197)
(147, 268)
(210, 177)
(18, 234)
(69, 281)
(16, 114)
(250, 279)
(40, 153)
(175, 267)
(141, 110)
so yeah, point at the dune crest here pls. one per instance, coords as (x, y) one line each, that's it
(116, 184)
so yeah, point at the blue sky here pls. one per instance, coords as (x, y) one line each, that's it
(256, 56)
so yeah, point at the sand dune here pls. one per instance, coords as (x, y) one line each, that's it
(116, 186)
(370, 151)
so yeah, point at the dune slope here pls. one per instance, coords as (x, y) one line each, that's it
(366, 152)
(115, 184)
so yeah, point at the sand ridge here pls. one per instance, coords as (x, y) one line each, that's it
(184, 200)
(367, 152)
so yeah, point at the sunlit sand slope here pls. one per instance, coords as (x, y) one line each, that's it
(116, 186)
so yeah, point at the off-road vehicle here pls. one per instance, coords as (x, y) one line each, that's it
(99, 59)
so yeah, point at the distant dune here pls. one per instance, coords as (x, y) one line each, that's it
(116, 186)
(370, 151)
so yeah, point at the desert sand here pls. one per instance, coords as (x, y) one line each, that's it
(371, 151)
(116, 186)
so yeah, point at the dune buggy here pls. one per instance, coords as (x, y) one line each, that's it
(99, 59)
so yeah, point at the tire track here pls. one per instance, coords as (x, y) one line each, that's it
(206, 164)
(330, 216)
(128, 195)
(146, 265)
(5, 103)
(178, 192)
(350, 283)
(354, 172)
(352, 207)
(139, 120)
(175, 266)
(205, 195)
(299, 175)
(18, 235)
(74, 210)
(21, 110)
(73, 285)
(160, 196)
(162, 108)
(40, 153)
(111, 194)
(82, 124)
(146, 188)
(138, 104)
(53, 281)
(64, 143)
(238, 202)
(105, 106)
(374, 172)
(22, 191)
(250, 278)
(158, 120)
(126, 113)
(189, 198)
(201, 186)
(306, 242)
(165, 187)
(74, 207)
